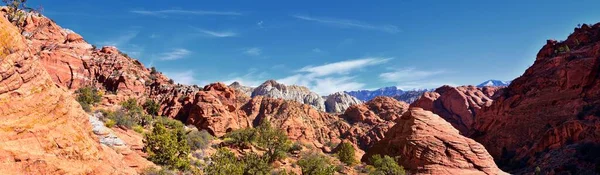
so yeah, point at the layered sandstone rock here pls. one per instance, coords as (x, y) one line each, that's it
(427, 144)
(273, 89)
(338, 102)
(554, 104)
(370, 121)
(457, 105)
(301, 122)
(43, 130)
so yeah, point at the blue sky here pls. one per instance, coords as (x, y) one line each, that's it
(327, 46)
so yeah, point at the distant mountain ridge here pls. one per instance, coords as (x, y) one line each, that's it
(494, 83)
(366, 95)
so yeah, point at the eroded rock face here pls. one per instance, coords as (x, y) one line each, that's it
(457, 105)
(370, 121)
(272, 89)
(427, 144)
(301, 122)
(338, 102)
(242, 89)
(43, 130)
(554, 104)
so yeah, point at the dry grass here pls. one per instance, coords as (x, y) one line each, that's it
(6, 42)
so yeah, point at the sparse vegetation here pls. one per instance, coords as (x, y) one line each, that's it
(17, 10)
(316, 164)
(6, 42)
(224, 162)
(87, 96)
(242, 138)
(346, 153)
(138, 129)
(274, 140)
(385, 165)
(256, 164)
(151, 107)
(199, 139)
(167, 145)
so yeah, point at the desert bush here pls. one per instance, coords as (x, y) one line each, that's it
(155, 171)
(7, 44)
(274, 140)
(316, 164)
(151, 107)
(87, 96)
(224, 162)
(109, 123)
(138, 129)
(130, 104)
(167, 145)
(296, 147)
(346, 153)
(385, 166)
(153, 70)
(241, 137)
(199, 139)
(256, 165)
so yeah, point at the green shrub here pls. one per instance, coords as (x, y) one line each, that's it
(151, 107)
(224, 162)
(316, 164)
(275, 141)
(255, 164)
(109, 123)
(167, 146)
(130, 104)
(138, 129)
(385, 166)
(346, 153)
(241, 137)
(152, 70)
(296, 147)
(87, 96)
(199, 139)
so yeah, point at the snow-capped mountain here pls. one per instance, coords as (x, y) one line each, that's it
(366, 95)
(494, 83)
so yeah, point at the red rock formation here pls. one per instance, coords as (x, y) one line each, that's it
(457, 105)
(43, 130)
(554, 104)
(427, 144)
(371, 120)
(301, 122)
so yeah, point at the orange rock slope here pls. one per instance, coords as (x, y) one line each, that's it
(457, 105)
(427, 144)
(43, 130)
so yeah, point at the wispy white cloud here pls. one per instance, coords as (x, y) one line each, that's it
(333, 77)
(255, 51)
(121, 40)
(174, 54)
(350, 24)
(342, 67)
(317, 50)
(183, 77)
(252, 78)
(164, 13)
(411, 78)
(260, 24)
(218, 34)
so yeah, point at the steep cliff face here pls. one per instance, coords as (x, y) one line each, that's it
(366, 95)
(338, 102)
(242, 89)
(370, 121)
(272, 89)
(555, 104)
(457, 105)
(427, 144)
(43, 130)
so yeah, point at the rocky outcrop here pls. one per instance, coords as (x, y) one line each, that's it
(427, 144)
(457, 105)
(216, 109)
(272, 89)
(242, 89)
(371, 120)
(338, 102)
(301, 122)
(553, 105)
(43, 130)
